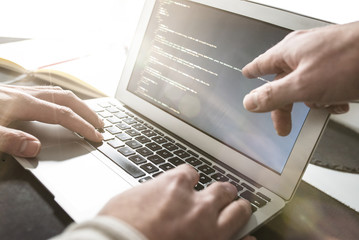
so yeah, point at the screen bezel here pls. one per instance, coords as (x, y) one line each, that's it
(282, 184)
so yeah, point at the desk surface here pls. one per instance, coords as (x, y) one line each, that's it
(28, 211)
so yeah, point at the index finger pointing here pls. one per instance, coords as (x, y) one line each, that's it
(270, 62)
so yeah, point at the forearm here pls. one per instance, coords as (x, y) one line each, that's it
(101, 228)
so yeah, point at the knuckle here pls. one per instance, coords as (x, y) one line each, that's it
(180, 178)
(67, 94)
(64, 112)
(9, 140)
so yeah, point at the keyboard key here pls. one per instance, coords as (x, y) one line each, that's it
(153, 146)
(105, 114)
(113, 130)
(143, 139)
(193, 161)
(130, 121)
(192, 153)
(204, 179)
(113, 120)
(166, 166)
(104, 104)
(107, 136)
(206, 169)
(220, 177)
(148, 133)
(169, 139)
(107, 123)
(159, 139)
(233, 177)
(164, 153)
(126, 151)
(130, 114)
(181, 146)
(123, 136)
(205, 161)
(149, 168)
(239, 187)
(248, 187)
(112, 109)
(96, 108)
(145, 179)
(123, 126)
(148, 125)
(199, 187)
(157, 174)
(115, 143)
(219, 169)
(254, 209)
(138, 120)
(119, 107)
(170, 147)
(137, 159)
(176, 161)
(139, 127)
(254, 199)
(121, 115)
(132, 132)
(133, 144)
(158, 132)
(121, 161)
(156, 159)
(182, 154)
(264, 196)
(144, 151)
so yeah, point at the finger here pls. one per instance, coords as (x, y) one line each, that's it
(18, 143)
(220, 193)
(47, 112)
(282, 120)
(334, 108)
(338, 108)
(234, 217)
(271, 96)
(187, 172)
(249, 238)
(66, 98)
(270, 62)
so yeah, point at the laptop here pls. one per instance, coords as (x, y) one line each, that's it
(179, 101)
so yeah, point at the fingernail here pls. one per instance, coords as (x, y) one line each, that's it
(30, 148)
(101, 123)
(99, 135)
(231, 188)
(339, 109)
(250, 101)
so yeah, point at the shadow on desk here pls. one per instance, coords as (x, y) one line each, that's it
(28, 211)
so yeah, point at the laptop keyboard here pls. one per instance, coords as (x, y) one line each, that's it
(145, 152)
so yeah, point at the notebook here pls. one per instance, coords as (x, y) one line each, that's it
(179, 101)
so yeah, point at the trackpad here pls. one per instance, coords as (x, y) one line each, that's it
(80, 182)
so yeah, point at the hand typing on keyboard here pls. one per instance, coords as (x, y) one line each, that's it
(44, 104)
(168, 207)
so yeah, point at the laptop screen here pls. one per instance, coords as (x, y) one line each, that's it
(189, 65)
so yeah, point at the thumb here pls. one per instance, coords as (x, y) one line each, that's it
(18, 143)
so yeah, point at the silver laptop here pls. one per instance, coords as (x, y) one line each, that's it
(179, 101)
